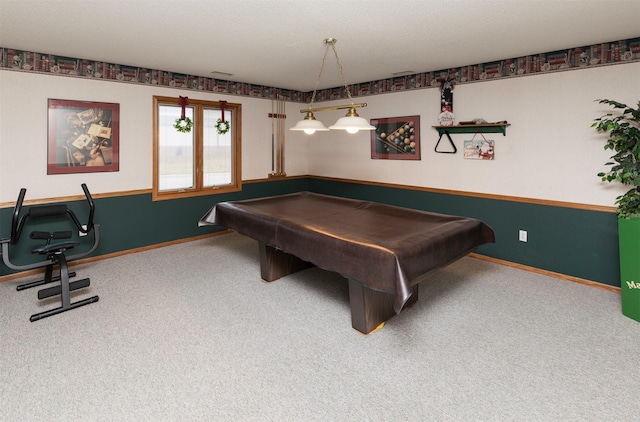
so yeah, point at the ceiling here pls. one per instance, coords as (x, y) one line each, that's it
(279, 43)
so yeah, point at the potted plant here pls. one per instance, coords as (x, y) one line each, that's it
(623, 130)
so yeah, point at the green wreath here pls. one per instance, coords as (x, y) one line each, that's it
(222, 127)
(183, 125)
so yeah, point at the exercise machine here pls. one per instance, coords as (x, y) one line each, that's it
(53, 250)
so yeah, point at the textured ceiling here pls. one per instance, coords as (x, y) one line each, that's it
(279, 43)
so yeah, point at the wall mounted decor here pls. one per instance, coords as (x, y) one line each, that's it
(83, 137)
(479, 149)
(468, 127)
(396, 138)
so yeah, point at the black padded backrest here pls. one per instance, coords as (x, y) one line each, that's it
(47, 210)
(35, 211)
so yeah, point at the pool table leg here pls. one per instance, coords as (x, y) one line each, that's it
(275, 264)
(370, 308)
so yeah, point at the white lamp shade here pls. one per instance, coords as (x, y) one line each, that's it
(352, 124)
(309, 126)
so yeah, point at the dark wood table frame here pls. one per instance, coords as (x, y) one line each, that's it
(369, 308)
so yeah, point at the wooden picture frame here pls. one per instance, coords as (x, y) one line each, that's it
(83, 137)
(396, 138)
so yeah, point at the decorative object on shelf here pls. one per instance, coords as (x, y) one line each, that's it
(183, 124)
(222, 126)
(396, 138)
(351, 122)
(446, 117)
(468, 127)
(623, 130)
(83, 137)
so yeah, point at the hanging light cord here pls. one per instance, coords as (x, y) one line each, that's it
(324, 59)
(330, 42)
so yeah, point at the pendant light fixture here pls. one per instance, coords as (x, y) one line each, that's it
(351, 122)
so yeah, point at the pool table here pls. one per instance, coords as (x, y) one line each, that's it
(384, 251)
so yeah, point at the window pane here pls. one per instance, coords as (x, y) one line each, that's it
(175, 150)
(218, 149)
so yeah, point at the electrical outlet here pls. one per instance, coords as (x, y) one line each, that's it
(522, 235)
(84, 227)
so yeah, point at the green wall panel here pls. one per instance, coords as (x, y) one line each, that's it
(578, 243)
(569, 241)
(130, 222)
(134, 221)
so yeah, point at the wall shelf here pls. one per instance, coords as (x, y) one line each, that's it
(484, 128)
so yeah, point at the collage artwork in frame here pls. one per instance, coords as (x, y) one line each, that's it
(396, 138)
(83, 137)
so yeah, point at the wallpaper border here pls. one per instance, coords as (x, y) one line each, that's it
(603, 54)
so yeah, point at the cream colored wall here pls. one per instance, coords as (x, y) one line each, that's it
(23, 135)
(550, 151)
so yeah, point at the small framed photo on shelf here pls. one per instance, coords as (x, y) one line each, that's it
(396, 138)
(83, 137)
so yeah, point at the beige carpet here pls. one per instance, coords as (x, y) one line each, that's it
(190, 333)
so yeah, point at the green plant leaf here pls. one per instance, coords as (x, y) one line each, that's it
(623, 130)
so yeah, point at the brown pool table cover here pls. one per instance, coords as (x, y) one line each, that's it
(384, 247)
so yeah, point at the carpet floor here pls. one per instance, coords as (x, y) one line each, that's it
(189, 332)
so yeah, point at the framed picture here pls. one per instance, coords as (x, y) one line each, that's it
(396, 138)
(83, 137)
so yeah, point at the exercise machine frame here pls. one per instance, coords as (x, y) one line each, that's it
(54, 252)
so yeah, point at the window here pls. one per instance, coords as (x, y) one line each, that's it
(199, 162)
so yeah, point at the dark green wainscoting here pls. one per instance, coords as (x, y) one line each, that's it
(135, 221)
(573, 242)
(569, 241)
